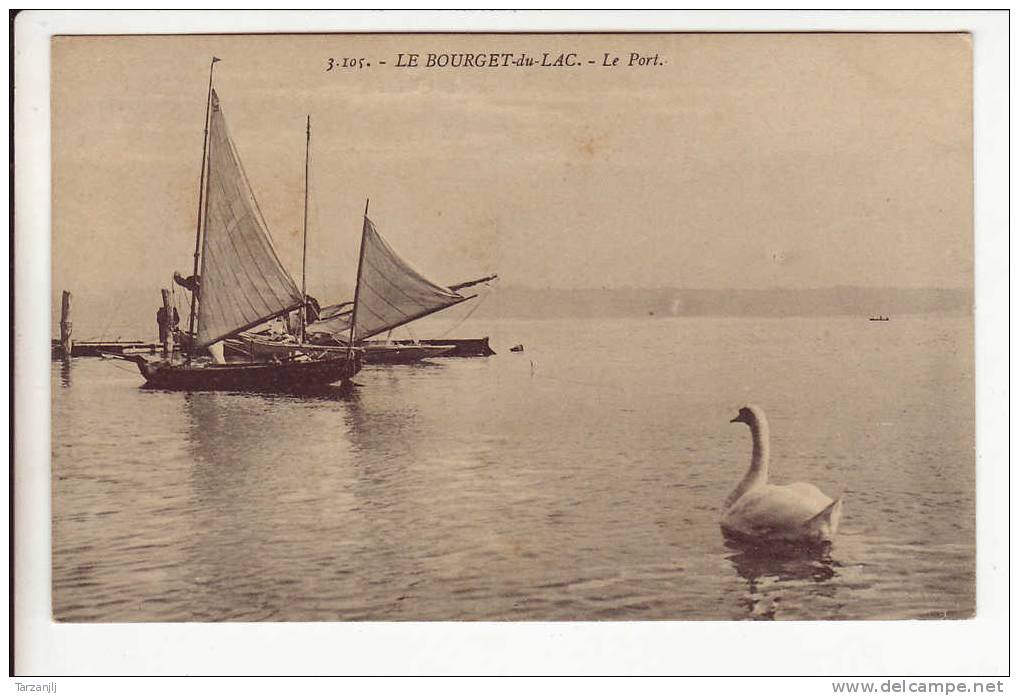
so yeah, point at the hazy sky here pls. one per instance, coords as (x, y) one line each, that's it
(742, 161)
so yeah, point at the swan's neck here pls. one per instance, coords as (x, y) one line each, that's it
(757, 475)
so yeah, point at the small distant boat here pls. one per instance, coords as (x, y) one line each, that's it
(879, 318)
(518, 348)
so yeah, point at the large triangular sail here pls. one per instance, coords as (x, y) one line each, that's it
(389, 293)
(242, 281)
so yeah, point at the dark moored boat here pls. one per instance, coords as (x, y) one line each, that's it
(460, 347)
(242, 284)
(292, 375)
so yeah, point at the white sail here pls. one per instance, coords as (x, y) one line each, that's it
(242, 282)
(390, 293)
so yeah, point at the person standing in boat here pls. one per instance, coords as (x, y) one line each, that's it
(167, 325)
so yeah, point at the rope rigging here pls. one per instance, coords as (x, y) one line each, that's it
(472, 310)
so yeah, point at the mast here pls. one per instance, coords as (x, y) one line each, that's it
(357, 281)
(201, 200)
(304, 255)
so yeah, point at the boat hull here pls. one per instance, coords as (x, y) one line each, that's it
(402, 355)
(397, 353)
(462, 347)
(278, 377)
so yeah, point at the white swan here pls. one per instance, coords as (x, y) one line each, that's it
(797, 513)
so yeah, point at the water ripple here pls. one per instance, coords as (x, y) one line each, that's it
(588, 488)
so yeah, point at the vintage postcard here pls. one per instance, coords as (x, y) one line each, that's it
(512, 327)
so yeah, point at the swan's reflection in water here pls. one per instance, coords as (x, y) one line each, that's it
(774, 572)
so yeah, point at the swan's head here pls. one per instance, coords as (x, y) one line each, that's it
(749, 414)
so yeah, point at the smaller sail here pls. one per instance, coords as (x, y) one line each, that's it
(390, 293)
(242, 282)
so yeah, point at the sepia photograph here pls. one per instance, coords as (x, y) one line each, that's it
(512, 327)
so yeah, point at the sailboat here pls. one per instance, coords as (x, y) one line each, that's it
(388, 293)
(334, 322)
(241, 284)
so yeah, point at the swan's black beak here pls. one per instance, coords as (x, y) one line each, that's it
(736, 420)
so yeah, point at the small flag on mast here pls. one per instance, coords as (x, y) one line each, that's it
(215, 59)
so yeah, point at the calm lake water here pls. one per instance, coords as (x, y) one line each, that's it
(580, 479)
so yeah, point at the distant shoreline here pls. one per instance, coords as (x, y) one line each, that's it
(518, 302)
(131, 313)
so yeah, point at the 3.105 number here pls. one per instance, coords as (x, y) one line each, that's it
(357, 63)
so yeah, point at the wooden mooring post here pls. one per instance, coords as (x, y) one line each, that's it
(66, 342)
(166, 328)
